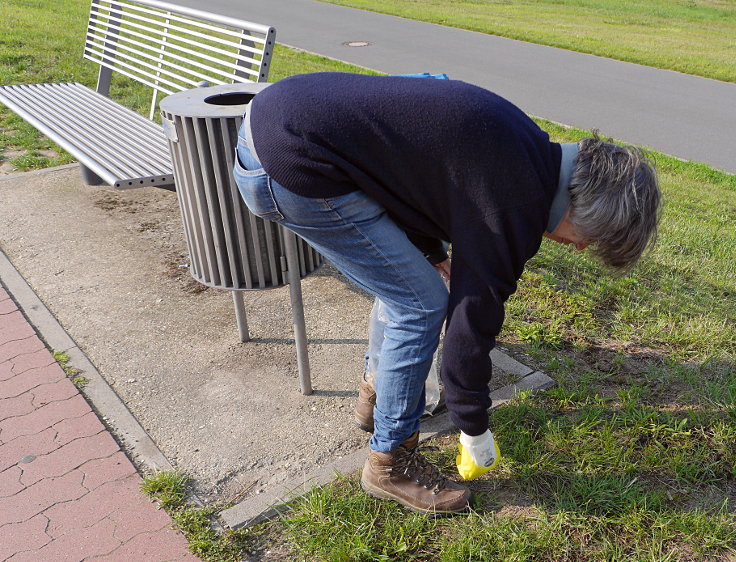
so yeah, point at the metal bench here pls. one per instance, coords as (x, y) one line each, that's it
(167, 47)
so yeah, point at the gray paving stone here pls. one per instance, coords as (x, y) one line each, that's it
(509, 364)
(535, 381)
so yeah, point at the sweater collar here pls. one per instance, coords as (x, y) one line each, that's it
(561, 201)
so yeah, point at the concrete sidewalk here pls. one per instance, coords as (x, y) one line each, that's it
(67, 491)
(685, 116)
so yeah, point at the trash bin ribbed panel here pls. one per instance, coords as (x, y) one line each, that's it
(230, 248)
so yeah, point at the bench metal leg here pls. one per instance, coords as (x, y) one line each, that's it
(297, 311)
(89, 177)
(240, 316)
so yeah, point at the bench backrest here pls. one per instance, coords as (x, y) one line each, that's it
(173, 48)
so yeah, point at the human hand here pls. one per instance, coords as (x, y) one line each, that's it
(443, 268)
(478, 455)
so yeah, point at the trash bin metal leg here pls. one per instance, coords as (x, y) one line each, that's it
(240, 315)
(297, 311)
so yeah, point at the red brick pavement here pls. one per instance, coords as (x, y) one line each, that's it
(67, 491)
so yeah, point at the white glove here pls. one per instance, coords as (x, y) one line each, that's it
(478, 454)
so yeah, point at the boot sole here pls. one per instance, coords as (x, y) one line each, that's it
(383, 495)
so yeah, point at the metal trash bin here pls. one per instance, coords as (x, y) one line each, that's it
(229, 247)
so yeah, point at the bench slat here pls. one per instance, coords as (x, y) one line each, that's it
(84, 124)
(155, 51)
(136, 127)
(133, 71)
(132, 15)
(102, 135)
(134, 11)
(201, 15)
(162, 46)
(100, 126)
(129, 144)
(196, 55)
(32, 107)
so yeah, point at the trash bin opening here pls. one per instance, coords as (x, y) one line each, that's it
(232, 98)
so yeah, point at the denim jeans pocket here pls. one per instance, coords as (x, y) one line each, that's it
(254, 186)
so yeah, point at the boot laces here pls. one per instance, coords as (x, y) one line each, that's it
(412, 465)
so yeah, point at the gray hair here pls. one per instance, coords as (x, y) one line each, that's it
(615, 201)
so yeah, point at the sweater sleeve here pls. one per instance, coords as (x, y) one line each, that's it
(488, 259)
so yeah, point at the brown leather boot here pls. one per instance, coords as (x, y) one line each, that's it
(364, 405)
(405, 476)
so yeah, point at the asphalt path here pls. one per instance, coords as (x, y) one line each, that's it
(686, 116)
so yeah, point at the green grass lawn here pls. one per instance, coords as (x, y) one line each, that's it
(631, 457)
(691, 36)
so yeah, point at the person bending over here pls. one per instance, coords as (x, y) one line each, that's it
(376, 172)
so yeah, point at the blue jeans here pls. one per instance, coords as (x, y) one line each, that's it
(356, 234)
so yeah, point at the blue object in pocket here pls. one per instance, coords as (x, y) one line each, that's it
(426, 75)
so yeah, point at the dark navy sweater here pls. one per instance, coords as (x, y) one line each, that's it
(449, 161)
